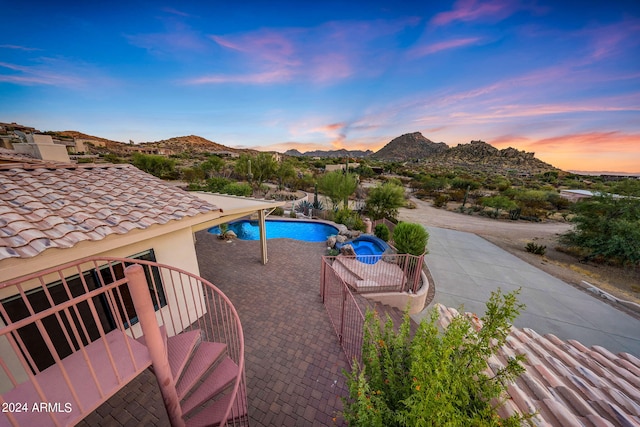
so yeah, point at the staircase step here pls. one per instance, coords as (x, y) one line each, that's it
(163, 331)
(179, 349)
(212, 415)
(221, 377)
(203, 358)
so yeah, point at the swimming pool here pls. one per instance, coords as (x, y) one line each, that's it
(299, 230)
(368, 248)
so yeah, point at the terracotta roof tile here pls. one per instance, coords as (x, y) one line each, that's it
(566, 382)
(59, 205)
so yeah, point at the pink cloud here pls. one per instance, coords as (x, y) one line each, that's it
(445, 45)
(327, 53)
(266, 77)
(473, 10)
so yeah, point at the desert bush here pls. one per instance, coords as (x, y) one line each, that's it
(237, 189)
(441, 200)
(607, 227)
(382, 232)
(278, 211)
(536, 249)
(410, 238)
(436, 378)
(349, 218)
(216, 184)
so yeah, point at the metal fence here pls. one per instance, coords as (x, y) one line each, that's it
(345, 314)
(378, 273)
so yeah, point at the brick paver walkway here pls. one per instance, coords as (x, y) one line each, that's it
(293, 360)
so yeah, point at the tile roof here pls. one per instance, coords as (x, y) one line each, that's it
(567, 383)
(60, 205)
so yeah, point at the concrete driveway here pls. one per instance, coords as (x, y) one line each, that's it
(466, 268)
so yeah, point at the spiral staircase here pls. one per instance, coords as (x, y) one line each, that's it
(191, 340)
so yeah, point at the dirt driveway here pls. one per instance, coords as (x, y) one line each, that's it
(512, 236)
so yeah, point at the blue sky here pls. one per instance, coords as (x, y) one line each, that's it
(559, 78)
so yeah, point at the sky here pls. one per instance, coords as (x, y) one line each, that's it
(558, 78)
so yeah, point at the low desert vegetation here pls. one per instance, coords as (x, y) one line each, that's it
(435, 378)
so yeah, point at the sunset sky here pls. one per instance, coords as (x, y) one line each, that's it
(559, 78)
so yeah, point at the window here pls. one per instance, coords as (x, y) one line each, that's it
(61, 332)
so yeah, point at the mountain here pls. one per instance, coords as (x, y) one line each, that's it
(192, 143)
(410, 146)
(330, 153)
(479, 155)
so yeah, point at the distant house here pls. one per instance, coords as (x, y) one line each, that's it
(575, 195)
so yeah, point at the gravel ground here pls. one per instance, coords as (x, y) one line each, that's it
(512, 236)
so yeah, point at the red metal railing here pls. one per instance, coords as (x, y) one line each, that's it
(345, 313)
(379, 273)
(69, 335)
(342, 276)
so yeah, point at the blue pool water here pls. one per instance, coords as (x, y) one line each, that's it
(299, 230)
(368, 249)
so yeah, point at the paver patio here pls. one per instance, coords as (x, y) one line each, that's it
(293, 360)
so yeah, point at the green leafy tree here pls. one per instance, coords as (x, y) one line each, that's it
(338, 186)
(384, 200)
(608, 227)
(285, 173)
(213, 165)
(436, 378)
(410, 238)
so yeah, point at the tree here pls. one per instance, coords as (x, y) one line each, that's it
(285, 173)
(434, 379)
(338, 186)
(263, 167)
(410, 238)
(213, 164)
(607, 226)
(384, 200)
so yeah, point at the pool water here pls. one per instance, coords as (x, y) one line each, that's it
(298, 230)
(368, 249)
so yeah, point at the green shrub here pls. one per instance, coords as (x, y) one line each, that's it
(237, 189)
(278, 211)
(349, 218)
(410, 238)
(216, 184)
(535, 248)
(436, 378)
(382, 232)
(440, 201)
(384, 200)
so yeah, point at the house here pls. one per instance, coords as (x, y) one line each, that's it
(70, 230)
(575, 195)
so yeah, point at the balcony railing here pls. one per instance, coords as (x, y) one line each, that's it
(74, 335)
(378, 273)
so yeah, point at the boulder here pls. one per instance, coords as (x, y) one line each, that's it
(331, 241)
(340, 238)
(347, 250)
(230, 234)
